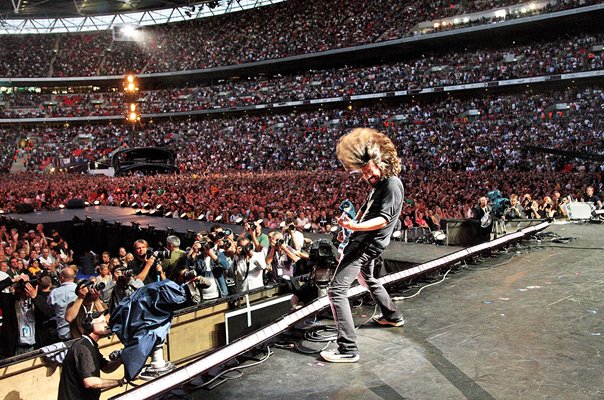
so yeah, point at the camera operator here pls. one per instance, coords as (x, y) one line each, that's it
(250, 266)
(85, 304)
(281, 258)
(81, 371)
(18, 331)
(253, 232)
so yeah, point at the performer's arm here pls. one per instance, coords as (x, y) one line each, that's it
(369, 225)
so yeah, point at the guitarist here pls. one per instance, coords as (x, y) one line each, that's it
(372, 154)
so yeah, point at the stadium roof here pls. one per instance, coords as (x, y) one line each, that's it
(52, 16)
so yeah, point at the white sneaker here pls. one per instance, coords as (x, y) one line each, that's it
(335, 356)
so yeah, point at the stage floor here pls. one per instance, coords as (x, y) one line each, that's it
(524, 325)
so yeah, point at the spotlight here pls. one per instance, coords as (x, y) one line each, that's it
(134, 205)
(88, 220)
(169, 231)
(218, 218)
(307, 227)
(86, 203)
(184, 216)
(159, 207)
(123, 203)
(168, 214)
(61, 206)
(333, 229)
(96, 202)
(201, 217)
(239, 221)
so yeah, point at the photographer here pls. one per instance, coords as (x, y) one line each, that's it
(281, 259)
(253, 232)
(46, 326)
(124, 283)
(205, 260)
(193, 284)
(18, 331)
(514, 210)
(292, 236)
(60, 298)
(250, 266)
(224, 247)
(177, 256)
(85, 304)
(144, 264)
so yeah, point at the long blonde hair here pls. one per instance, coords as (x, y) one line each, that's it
(359, 146)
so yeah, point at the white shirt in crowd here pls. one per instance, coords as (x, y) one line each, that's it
(253, 267)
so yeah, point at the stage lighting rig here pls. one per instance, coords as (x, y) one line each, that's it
(131, 93)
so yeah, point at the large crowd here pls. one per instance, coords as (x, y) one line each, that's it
(461, 134)
(267, 164)
(281, 30)
(564, 55)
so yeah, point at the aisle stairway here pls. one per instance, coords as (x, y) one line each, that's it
(19, 164)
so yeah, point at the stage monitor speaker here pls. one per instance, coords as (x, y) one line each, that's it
(24, 208)
(75, 203)
(579, 210)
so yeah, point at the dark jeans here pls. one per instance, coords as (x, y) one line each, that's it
(357, 262)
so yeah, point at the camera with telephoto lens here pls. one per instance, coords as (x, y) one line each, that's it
(219, 235)
(205, 243)
(33, 280)
(291, 227)
(251, 226)
(98, 286)
(128, 273)
(279, 242)
(159, 254)
(190, 275)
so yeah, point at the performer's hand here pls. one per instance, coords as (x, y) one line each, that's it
(346, 222)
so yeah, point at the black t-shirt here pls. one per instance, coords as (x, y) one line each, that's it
(386, 201)
(138, 265)
(83, 360)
